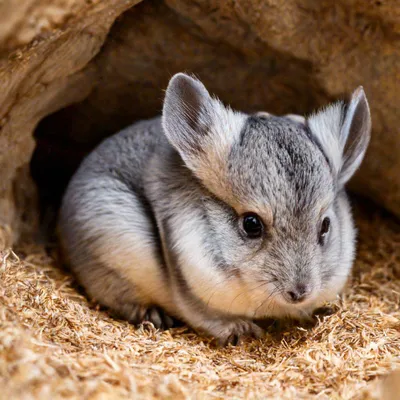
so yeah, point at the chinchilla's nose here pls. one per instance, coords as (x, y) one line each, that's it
(297, 293)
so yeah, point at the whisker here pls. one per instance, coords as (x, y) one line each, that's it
(215, 291)
(248, 292)
(275, 291)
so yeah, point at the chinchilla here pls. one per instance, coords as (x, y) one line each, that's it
(217, 217)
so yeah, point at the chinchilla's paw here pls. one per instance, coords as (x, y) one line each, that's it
(138, 314)
(234, 332)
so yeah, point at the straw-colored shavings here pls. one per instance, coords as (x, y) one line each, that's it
(54, 344)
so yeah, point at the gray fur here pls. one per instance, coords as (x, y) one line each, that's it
(151, 221)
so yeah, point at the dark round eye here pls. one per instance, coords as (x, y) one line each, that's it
(252, 225)
(325, 226)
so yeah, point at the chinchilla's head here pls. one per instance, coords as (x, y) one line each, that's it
(277, 215)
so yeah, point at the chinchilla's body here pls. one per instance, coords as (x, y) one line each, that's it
(214, 216)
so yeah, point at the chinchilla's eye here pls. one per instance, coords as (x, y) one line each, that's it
(324, 230)
(252, 225)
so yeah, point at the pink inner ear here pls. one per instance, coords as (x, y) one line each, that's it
(186, 113)
(356, 133)
(189, 98)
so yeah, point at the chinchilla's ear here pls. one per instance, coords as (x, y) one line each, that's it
(195, 123)
(344, 131)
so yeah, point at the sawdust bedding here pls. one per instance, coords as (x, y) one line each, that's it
(55, 344)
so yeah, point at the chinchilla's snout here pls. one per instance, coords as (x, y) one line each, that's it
(297, 293)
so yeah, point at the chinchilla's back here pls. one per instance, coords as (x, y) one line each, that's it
(106, 226)
(125, 155)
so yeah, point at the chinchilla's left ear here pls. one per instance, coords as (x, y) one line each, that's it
(344, 131)
(198, 125)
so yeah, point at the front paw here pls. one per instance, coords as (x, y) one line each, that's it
(233, 332)
(138, 314)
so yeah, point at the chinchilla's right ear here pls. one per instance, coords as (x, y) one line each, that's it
(344, 132)
(197, 125)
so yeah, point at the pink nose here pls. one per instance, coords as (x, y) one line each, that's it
(298, 293)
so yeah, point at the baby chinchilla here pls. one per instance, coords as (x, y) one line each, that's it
(214, 216)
